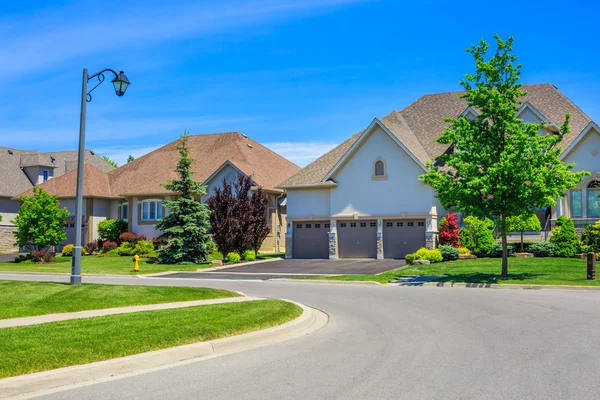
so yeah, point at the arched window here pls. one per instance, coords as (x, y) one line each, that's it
(379, 169)
(593, 199)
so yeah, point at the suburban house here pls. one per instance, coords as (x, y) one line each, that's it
(21, 170)
(135, 193)
(364, 198)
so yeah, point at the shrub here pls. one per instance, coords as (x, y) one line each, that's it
(564, 238)
(542, 249)
(449, 233)
(464, 250)
(111, 253)
(67, 251)
(143, 248)
(23, 257)
(425, 254)
(125, 249)
(158, 242)
(211, 247)
(233, 257)
(127, 237)
(591, 236)
(108, 246)
(111, 229)
(42, 256)
(90, 247)
(410, 258)
(448, 252)
(249, 255)
(466, 239)
(478, 235)
(496, 250)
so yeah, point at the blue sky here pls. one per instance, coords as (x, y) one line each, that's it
(297, 76)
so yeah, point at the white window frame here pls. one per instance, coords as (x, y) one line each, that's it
(152, 204)
(126, 219)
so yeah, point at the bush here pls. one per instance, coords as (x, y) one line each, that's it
(143, 248)
(127, 237)
(111, 253)
(466, 239)
(425, 254)
(542, 249)
(448, 252)
(42, 256)
(564, 238)
(496, 250)
(233, 257)
(158, 242)
(449, 233)
(111, 229)
(464, 250)
(108, 246)
(211, 247)
(67, 251)
(410, 258)
(478, 235)
(23, 257)
(249, 255)
(91, 247)
(125, 250)
(591, 236)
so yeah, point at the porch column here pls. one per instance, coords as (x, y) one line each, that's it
(289, 240)
(380, 239)
(333, 254)
(431, 233)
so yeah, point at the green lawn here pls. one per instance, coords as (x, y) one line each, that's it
(541, 271)
(59, 344)
(22, 299)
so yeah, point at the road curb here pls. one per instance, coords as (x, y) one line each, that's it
(47, 382)
(505, 286)
(331, 281)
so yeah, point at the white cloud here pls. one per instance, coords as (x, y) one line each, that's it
(301, 153)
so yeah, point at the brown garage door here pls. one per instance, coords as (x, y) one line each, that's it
(402, 237)
(357, 239)
(311, 239)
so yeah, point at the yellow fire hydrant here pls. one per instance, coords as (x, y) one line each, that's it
(136, 263)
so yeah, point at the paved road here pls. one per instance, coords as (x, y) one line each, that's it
(345, 266)
(395, 343)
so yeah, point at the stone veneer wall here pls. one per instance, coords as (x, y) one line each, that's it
(7, 240)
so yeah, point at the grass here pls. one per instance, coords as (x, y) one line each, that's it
(22, 299)
(112, 265)
(59, 344)
(535, 271)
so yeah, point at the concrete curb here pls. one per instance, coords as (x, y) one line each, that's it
(330, 281)
(44, 319)
(43, 383)
(505, 286)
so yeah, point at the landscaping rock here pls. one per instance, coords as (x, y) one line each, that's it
(524, 255)
(216, 263)
(466, 256)
(421, 262)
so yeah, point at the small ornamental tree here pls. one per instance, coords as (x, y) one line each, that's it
(564, 238)
(523, 223)
(242, 210)
(498, 165)
(449, 230)
(40, 221)
(186, 226)
(258, 219)
(223, 218)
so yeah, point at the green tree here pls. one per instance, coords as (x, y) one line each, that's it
(564, 238)
(523, 223)
(130, 159)
(186, 226)
(111, 162)
(498, 165)
(478, 235)
(40, 221)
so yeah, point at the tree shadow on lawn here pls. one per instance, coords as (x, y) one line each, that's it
(479, 277)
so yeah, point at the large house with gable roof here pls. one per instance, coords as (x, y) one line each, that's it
(363, 199)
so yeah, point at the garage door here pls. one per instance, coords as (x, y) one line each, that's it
(402, 237)
(357, 239)
(311, 239)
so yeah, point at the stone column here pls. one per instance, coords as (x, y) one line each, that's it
(289, 240)
(380, 239)
(333, 253)
(431, 232)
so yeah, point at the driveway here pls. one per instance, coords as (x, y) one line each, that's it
(390, 342)
(327, 267)
(8, 256)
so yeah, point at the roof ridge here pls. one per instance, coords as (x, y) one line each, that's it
(570, 102)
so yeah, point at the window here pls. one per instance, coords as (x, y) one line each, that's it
(410, 224)
(352, 224)
(343, 225)
(151, 210)
(125, 211)
(317, 226)
(46, 174)
(576, 209)
(308, 225)
(363, 224)
(399, 223)
(389, 224)
(593, 199)
(379, 168)
(327, 225)
(373, 224)
(298, 226)
(421, 223)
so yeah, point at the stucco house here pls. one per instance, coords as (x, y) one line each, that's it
(364, 198)
(21, 170)
(134, 192)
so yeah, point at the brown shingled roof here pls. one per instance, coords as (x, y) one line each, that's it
(419, 125)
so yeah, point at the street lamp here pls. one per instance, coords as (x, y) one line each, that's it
(120, 83)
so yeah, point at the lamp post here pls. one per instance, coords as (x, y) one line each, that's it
(120, 83)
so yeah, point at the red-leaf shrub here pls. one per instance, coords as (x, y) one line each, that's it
(108, 246)
(449, 231)
(42, 256)
(90, 247)
(127, 237)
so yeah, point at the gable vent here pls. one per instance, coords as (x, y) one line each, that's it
(10, 151)
(249, 145)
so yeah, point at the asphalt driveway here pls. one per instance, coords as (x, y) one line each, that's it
(318, 267)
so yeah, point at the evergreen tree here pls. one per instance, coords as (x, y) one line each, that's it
(498, 165)
(111, 162)
(186, 226)
(564, 237)
(130, 159)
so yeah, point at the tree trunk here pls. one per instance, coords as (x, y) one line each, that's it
(504, 247)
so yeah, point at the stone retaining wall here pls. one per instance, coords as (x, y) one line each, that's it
(7, 240)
